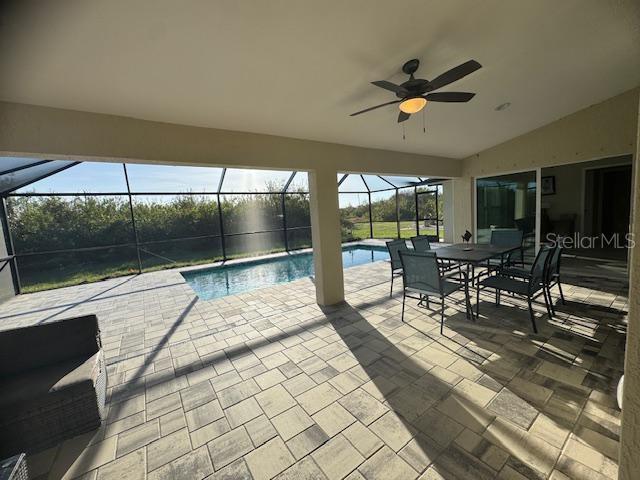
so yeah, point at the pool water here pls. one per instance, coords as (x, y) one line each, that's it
(225, 280)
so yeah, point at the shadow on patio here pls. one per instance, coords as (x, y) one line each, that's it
(470, 404)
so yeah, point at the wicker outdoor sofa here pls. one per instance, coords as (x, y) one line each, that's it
(52, 383)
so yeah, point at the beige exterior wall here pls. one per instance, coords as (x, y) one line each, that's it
(57, 133)
(629, 464)
(462, 214)
(606, 129)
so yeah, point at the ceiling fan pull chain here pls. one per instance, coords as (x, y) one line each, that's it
(424, 128)
(403, 137)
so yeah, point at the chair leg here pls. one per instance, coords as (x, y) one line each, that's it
(497, 297)
(391, 292)
(467, 303)
(478, 302)
(442, 316)
(404, 295)
(546, 301)
(553, 310)
(426, 297)
(561, 294)
(531, 314)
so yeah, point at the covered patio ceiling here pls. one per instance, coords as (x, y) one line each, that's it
(299, 68)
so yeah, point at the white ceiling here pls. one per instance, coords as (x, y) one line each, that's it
(297, 68)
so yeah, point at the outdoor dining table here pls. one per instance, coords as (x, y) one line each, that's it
(470, 255)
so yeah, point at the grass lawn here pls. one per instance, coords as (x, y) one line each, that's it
(44, 273)
(390, 230)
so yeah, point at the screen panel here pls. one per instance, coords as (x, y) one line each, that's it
(354, 216)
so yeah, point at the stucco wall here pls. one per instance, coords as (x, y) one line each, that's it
(57, 133)
(606, 129)
(630, 435)
(462, 214)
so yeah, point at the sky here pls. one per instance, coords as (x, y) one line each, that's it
(109, 177)
(98, 177)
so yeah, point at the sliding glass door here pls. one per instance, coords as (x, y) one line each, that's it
(506, 202)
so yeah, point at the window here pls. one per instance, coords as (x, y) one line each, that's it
(507, 201)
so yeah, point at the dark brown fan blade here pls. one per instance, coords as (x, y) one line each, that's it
(373, 108)
(403, 116)
(391, 86)
(455, 74)
(449, 96)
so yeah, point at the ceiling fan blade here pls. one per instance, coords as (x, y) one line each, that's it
(449, 96)
(403, 116)
(455, 74)
(373, 108)
(391, 87)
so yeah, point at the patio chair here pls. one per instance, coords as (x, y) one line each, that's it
(52, 383)
(395, 247)
(552, 276)
(421, 243)
(529, 286)
(507, 238)
(421, 274)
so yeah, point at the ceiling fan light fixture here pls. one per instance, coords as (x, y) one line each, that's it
(413, 105)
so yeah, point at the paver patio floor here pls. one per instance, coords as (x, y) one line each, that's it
(266, 384)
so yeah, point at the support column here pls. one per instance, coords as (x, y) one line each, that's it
(463, 203)
(629, 462)
(326, 236)
(447, 214)
(538, 207)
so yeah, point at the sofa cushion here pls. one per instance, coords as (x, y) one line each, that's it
(21, 391)
(28, 348)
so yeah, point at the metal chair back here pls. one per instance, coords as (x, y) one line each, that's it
(421, 243)
(540, 267)
(554, 262)
(506, 238)
(420, 271)
(395, 247)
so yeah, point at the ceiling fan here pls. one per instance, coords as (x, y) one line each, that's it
(416, 92)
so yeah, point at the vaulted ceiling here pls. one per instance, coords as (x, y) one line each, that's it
(298, 68)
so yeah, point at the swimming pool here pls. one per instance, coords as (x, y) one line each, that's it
(216, 282)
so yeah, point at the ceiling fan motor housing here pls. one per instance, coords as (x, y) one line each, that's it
(411, 66)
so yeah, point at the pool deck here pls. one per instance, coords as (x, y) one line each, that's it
(266, 384)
